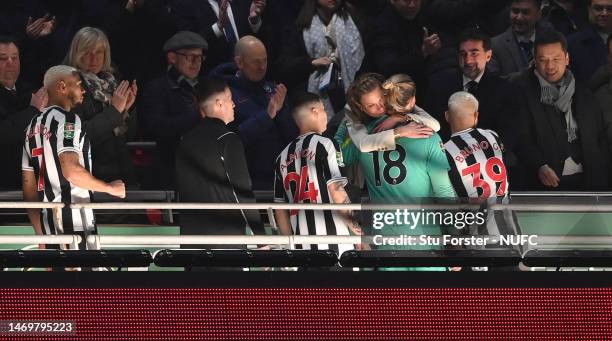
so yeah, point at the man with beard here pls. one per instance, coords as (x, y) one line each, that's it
(497, 97)
(57, 160)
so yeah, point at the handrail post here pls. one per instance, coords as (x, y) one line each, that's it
(75, 242)
(271, 218)
(57, 217)
(169, 199)
(88, 230)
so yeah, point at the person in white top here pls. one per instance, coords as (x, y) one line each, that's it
(397, 97)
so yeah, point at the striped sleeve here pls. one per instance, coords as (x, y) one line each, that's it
(280, 196)
(68, 134)
(26, 160)
(334, 157)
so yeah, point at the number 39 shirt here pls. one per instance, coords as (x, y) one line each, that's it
(479, 170)
(303, 171)
(52, 132)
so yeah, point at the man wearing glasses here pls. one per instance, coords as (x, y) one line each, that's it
(588, 46)
(168, 106)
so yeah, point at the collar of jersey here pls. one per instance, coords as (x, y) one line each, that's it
(305, 134)
(462, 132)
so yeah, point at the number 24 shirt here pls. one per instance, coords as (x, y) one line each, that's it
(304, 169)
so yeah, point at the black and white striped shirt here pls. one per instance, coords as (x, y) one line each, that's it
(52, 132)
(304, 169)
(477, 164)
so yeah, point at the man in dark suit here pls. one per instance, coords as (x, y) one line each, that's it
(513, 49)
(211, 168)
(588, 46)
(17, 107)
(220, 22)
(563, 140)
(497, 97)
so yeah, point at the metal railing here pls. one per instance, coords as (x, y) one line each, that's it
(286, 240)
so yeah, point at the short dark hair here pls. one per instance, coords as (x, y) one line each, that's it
(477, 35)
(8, 40)
(302, 99)
(537, 3)
(548, 37)
(210, 87)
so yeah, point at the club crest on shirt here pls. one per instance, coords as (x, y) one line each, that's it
(68, 130)
(339, 158)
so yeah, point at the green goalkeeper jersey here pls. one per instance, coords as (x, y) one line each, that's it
(416, 170)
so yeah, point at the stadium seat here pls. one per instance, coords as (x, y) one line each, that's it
(568, 258)
(75, 258)
(429, 258)
(245, 258)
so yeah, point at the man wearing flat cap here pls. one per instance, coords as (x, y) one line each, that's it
(168, 107)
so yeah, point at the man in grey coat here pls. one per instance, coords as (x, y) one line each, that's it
(513, 49)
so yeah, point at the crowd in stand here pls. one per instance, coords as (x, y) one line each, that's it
(140, 63)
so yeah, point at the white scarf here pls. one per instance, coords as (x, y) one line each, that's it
(349, 49)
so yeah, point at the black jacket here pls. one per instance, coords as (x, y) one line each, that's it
(15, 114)
(498, 107)
(111, 158)
(264, 138)
(543, 135)
(397, 48)
(211, 168)
(165, 112)
(587, 52)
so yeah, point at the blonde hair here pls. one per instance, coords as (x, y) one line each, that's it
(87, 39)
(399, 90)
(57, 73)
(462, 103)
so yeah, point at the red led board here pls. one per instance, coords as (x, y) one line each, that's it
(314, 313)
